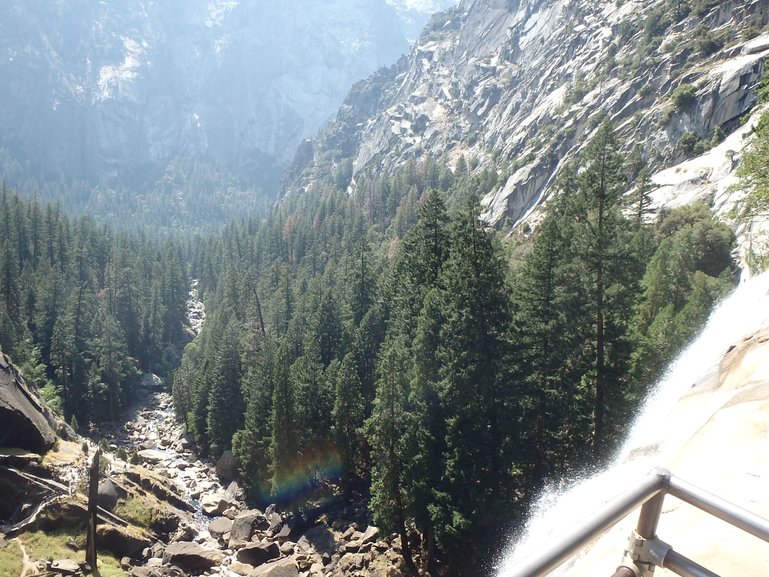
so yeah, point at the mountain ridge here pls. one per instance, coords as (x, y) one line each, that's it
(510, 85)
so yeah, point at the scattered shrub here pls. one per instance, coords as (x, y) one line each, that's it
(750, 32)
(687, 143)
(665, 117)
(707, 42)
(684, 97)
(656, 23)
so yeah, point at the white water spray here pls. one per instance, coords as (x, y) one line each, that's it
(655, 437)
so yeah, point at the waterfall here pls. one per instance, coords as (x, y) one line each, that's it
(655, 437)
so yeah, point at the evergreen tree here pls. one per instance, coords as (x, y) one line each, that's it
(225, 401)
(475, 397)
(602, 264)
(10, 299)
(113, 371)
(285, 444)
(68, 348)
(252, 444)
(348, 415)
(362, 285)
(314, 401)
(386, 430)
(547, 313)
(753, 172)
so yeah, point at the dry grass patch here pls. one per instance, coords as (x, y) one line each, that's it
(10, 559)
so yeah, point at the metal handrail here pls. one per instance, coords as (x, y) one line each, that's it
(645, 551)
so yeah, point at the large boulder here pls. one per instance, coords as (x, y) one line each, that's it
(214, 504)
(319, 539)
(24, 419)
(191, 556)
(227, 466)
(151, 456)
(109, 493)
(121, 541)
(218, 527)
(162, 571)
(258, 553)
(283, 568)
(65, 567)
(243, 526)
(160, 487)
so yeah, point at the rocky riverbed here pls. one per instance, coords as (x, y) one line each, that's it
(215, 533)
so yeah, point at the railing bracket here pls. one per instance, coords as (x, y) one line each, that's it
(643, 555)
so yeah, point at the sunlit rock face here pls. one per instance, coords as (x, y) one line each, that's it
(104, 89)
(727, 455)
(520, 86)
(707, 422)
(25, 421)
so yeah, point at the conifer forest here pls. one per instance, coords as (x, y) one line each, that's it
(372, 338)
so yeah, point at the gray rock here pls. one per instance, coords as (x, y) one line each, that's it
(227, 466)
(284, 534)
(276, 522)
(120, 541)
(108, 494)
(164, 571)
(258, 553)
(319, 539)
(231, 512)
(235, 492)
(282, 568)
(192, 556)
(65, 567)
(23, 416)
(240, 568)
(214, 504)
(151, 456)
(186, 443)
(218, 527)
(370, 535)
(184, 533)
(243, 526)
(351, 563)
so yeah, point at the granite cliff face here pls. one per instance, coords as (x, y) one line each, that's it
(520, 85)
(103, 90)
(25, 421)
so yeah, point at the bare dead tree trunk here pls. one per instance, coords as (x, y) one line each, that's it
(93, 492)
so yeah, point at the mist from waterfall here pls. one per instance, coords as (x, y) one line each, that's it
(654, 438)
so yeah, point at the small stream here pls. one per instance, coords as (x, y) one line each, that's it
(162, 446)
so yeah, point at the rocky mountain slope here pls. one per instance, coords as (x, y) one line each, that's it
(519, 86)
(116, 91)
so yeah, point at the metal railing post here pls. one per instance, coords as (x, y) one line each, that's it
(645, 550)
(641, 555)
(569, 543)
(649, 517)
